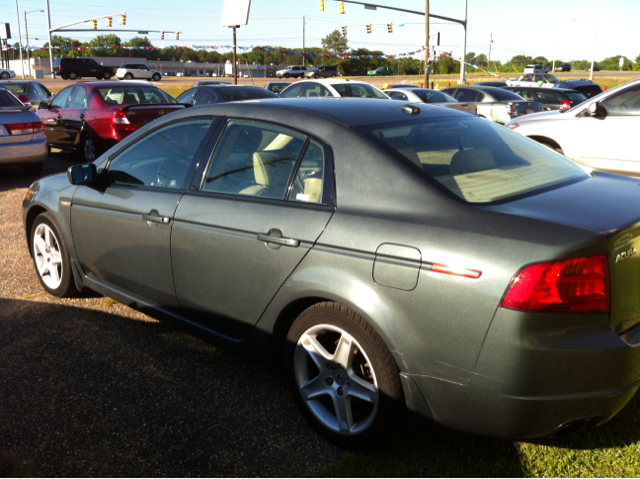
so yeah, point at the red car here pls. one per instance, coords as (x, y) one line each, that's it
(90, 118)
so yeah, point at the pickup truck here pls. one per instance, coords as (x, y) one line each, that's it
(494, 104)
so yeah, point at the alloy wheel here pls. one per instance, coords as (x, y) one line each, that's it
(89, 150)
(48, 256)
(335, 379)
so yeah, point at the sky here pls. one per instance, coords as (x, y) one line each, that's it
(566, 29)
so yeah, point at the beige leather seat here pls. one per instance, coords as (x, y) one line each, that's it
(261, 178)
(469, 161)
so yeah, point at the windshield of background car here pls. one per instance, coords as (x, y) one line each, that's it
(551, 78)
(133, 95)
(15, 87)
(504, 95)
(242, 94)
(476, 160)
(278, 88)
(434, 96)
(7, 99)
(359, 90)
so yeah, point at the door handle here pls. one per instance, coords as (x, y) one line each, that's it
(157, 219)
(269, 238)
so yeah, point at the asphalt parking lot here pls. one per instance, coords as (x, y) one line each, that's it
(93, 388)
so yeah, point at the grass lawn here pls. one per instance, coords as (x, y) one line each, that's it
(612, 450)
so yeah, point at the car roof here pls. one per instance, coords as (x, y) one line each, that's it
(227, 85)
(113, 83)
(539, 88)
(336, 80)
(479, 87)
(351, 112)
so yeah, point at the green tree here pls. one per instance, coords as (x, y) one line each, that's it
(335, 43)
(137, 42)
(104, 41)
(540, 61)
(636, 65)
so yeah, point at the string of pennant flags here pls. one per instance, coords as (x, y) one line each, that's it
(475, 66)
(348, 57)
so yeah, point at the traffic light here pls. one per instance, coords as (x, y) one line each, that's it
(177, 35)
(109, 21)
(161, 35)
(123, 19)
(321, 5)
(390, 27)
(94, 24)
(340, 7)
(369, 28)
(344, 31)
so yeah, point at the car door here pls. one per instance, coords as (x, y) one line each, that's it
(261, 203)
(143, 72)
(122, 228)
(604, 141)
(52, 117)
(73, 117)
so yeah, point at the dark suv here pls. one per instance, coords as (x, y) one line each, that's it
(551, 98)
(563, 67)
(322, 71)
(75, 68)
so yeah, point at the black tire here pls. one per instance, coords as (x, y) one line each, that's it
(88, 149)
(73, 75)
(156, 77)
(66, 287)
(128, 76)
(64, 76)
(99, 76)
(286, 75)
(371, 362)
(32, 169)
(4, 75)
(316, 76)
(106, 76)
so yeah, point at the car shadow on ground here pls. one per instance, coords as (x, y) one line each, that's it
(12, 177)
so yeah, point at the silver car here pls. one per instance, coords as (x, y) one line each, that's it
(22, 140)
(597, 133)
(28, 92)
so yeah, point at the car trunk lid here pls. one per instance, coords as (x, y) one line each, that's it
(140, 115)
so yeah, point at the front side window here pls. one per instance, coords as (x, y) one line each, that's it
(205, 96)
(627, 102)
(526, 94)
(160, 159)
(315, 89)
(187, 96)
(476, 160)
(396, 95)
(467, 95)
(253, 159)
(60, 101)
(236, 93)
(132, 95)
(432, 96)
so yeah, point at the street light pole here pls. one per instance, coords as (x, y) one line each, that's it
(19, 39)
(464, 47)
(426, 43)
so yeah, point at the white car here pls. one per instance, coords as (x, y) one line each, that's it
(137, 71)
(5, 74)
(332, 88)
(597, 133)
(293, 71)
(534, 79)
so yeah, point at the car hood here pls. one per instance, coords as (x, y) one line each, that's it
(601, 204)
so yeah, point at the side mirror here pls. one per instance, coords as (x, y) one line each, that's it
(592, 109)
(82, 174)
(43, 105)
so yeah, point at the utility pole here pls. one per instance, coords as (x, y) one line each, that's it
(426, 43)
(19, 39)
(303, 58)
(235, 65)
(464, 47)
(490, 43)
(53, 77)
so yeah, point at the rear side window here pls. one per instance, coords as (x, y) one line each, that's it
(476, 160)
(504, 95)
(253, 159)
(131, 95)
(315, 89)
(467, 95)
(292, 91)
(61, 99)
(309, 181)
(7, 99)
(576, 97)
(162, 158)
(547, 96)
(78, 98)
(431, 96)
(526, 94)
(242, 94)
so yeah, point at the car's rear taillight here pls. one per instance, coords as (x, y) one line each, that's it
(579, 285)
(121, 122)
(511, 109)
(24, 100)
(564, 105)
(17, 129)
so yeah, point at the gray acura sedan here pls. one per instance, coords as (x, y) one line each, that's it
(389, 257)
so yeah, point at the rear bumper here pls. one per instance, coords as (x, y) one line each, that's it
(536, 374)
(35, 151)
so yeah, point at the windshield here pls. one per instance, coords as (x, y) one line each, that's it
(15, 87)
(429, 96)
(551, 78)
(241, 94)
(476, 160)
(504, 95)
(132, 95)
(359, 90)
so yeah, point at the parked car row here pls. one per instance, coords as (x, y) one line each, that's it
(398, 260)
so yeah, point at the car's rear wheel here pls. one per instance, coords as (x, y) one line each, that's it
(344, 379)
(128, 76)
(286, 75)
(73, 75)
(156, 77)
(88, 149)
(51, 257)
(4, 75)
(64, 76)
(106, 76)
(32, 169)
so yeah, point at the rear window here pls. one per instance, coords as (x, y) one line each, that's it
(7, 99)
(476, 160)
(131, 95)
(434, 96)
(242, 94)
(358, 90)
(576, 97)
(504, 95)
(15, 87)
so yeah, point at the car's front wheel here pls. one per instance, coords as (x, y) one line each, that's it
(343, 377)
(128, 76)
(88, 150)
(51, 257)
(156, 77)
(286, 75)
(106, 76)
(4, 75)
